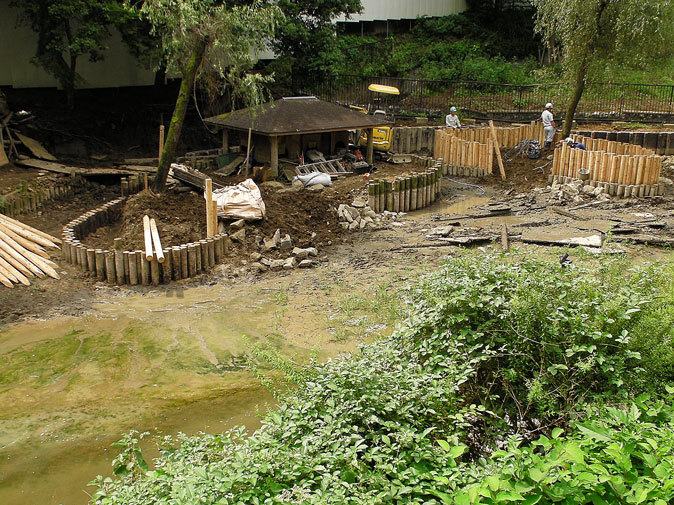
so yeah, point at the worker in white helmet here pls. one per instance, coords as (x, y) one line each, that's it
(549, 124)
(452, 120)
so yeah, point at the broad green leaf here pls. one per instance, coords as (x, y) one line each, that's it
(536, 475)
(444, 445)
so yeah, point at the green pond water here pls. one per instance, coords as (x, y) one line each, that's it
(169, 360)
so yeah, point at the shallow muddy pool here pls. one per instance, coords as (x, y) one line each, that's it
(174, 360)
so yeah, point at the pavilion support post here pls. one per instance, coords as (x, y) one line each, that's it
(225, 140)
(370, 145)
(274, 155)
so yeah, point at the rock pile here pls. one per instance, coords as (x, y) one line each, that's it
(575, 192)
(298, 257)
(359, 216)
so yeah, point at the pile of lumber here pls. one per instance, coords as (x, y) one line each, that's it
(23, 253)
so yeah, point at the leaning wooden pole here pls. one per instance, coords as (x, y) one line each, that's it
(497, 149)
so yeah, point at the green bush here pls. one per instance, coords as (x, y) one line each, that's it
(466, 403)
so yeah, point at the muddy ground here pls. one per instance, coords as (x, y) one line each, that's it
(309, 218)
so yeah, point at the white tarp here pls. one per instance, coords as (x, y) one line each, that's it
(242, 201)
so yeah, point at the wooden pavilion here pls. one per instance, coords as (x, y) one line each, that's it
(289, 126)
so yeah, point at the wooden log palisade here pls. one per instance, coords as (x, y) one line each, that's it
(622, 170)
(107, 266)
(405, 194)
(32, 199)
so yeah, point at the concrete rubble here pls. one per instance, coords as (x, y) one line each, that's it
(359, 216)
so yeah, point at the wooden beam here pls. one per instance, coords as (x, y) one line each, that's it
(274, 156)
(370, 146)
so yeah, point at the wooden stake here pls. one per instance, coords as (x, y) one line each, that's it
(214, 216)
(497, 149)
(161, 141)
(32, 230)
(148, 238)
(156, 242)
(209, 208)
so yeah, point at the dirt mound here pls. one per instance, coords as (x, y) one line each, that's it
(307, 216)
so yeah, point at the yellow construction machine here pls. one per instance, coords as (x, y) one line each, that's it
(383, 135)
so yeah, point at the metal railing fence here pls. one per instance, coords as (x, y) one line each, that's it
(433, 97)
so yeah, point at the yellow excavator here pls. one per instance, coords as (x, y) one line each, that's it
(383, 135)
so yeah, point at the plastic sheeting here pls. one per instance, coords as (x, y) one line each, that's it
(242, 201)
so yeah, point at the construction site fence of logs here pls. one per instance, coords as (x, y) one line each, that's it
(621, 169)
(405, 194)
(31, 200)
(470, 152)
(118, 266)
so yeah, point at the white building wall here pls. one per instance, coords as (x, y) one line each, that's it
(381, 10)
(18, 45)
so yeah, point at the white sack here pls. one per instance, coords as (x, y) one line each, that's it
(314, 178)
(242, 201)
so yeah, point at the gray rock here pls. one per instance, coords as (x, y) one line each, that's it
(286, 243)
(273, 185)
(353, 225)
(588, 190)
(259, 267)
(265, 261)
(316, 187)
(239, 236)
(256, 256)
(276, 264)
(355, 213)
(597, 191)
(272, 243)
(344, 224)
(362, 224)
(359, 203)
(301, 254)
(289, 263)
(238, 224)
(306, 264)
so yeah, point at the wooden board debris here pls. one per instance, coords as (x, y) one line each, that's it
(59, 168)
(35, 147)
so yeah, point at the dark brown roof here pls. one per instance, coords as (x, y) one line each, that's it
(297, 115)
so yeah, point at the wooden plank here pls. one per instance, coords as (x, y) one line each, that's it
(497, 149)
(59, 168)
(35, 147)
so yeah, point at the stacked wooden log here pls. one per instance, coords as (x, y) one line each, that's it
(623, 170)
(23, 253)
(405, 194)
(476, 156)
(507, 136)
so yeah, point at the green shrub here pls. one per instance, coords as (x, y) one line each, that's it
(464, 404)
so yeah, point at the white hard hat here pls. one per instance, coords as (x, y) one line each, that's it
(568, 140)
(548, 105)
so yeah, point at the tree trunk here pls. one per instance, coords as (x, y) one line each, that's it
(69, 84)
(578, 88)
(175, 128)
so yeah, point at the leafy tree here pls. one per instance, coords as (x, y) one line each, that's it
(208, 39)
(68, 29)
(306, 36)
(590, 31)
